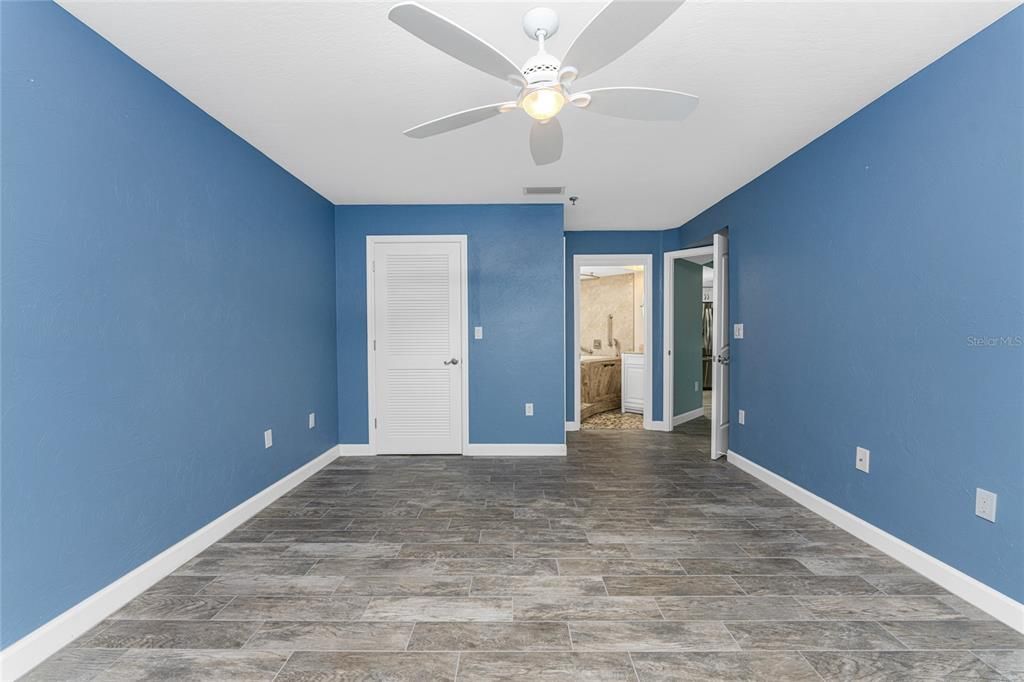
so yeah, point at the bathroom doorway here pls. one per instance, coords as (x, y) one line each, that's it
(613, 334)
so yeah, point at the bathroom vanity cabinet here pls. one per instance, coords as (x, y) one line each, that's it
(633, 382)
(599, 385)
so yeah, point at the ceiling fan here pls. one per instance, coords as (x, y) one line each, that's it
(544, 82)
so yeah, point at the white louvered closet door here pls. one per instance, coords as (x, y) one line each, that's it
(417, 313)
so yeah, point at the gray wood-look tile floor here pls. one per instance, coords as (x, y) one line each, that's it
(634, 558)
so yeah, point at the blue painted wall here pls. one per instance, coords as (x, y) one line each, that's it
(597, 242)
(515, 292)
(168, 294)
(864, 268)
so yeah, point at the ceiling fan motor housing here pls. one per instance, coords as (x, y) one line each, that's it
(541, 68)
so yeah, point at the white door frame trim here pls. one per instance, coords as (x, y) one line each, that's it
(647, 260)
(667, 319)
(371, 365)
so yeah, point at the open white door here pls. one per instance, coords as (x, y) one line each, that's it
(720, 350)
(416, 347)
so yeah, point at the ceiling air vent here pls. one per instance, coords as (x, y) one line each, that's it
(533, 191)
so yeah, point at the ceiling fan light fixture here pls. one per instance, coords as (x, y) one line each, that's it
(544, 81)
(543, 104)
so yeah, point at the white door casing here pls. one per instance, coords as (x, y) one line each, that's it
(416, 323)
(720, 349)
(645, 259)
(668, 319)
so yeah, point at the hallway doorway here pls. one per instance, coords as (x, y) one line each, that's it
(696, 340)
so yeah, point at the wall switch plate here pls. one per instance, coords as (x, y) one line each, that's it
(268, 438)
(741, 416)
(737, 331)
(529, 409)
(696, 386)
(312, 420)
(985, 504)
(864, 459)
(478, 332)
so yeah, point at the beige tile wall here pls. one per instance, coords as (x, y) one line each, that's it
(617, 295)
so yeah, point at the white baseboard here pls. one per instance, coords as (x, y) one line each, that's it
(572, 426)
(687, 416)
(35, 647)
(354, 450)
(971, 590)
(658, 426)
(515, 450)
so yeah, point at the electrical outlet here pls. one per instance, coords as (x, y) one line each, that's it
(268, 438)
(737, 331)
(985, 504)
(741, 416)
(478, 332)
(696, 386)
(312, 420)
(529, 409)
(864, 459)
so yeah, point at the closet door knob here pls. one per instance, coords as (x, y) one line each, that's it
(453, 361)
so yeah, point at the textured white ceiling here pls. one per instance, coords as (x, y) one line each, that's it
(325, 89)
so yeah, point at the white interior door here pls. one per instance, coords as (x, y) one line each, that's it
(720, 349)
(417, 347)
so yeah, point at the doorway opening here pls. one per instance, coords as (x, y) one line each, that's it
(696, 378)
(613, 330)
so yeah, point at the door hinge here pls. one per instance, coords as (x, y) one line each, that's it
(373, 266)
(374, 422)
(375, 344)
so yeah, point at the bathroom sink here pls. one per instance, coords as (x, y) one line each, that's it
(596, 358)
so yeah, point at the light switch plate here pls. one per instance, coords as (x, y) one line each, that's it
(268, 438)
(696, 386)
(863, 460)
(737, 331)
(741, 416)
(312, 420)
(985, 504)
(478, 332)
(529, 409)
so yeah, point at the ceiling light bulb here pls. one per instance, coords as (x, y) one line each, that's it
(543, 104)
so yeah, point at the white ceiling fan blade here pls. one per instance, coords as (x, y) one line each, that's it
(546, 141)
(452, 39)
(644, 104)
(459, 119)
(614, 30)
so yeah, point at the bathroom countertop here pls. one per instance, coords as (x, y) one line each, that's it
(597, 358)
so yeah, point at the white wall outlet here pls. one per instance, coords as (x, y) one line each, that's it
(985, 505)
(741, 416)
(696, 386)
(268, 438)
(529, 409)
(478, 332)
(737, 331)
(312, 420)
(864, 459)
